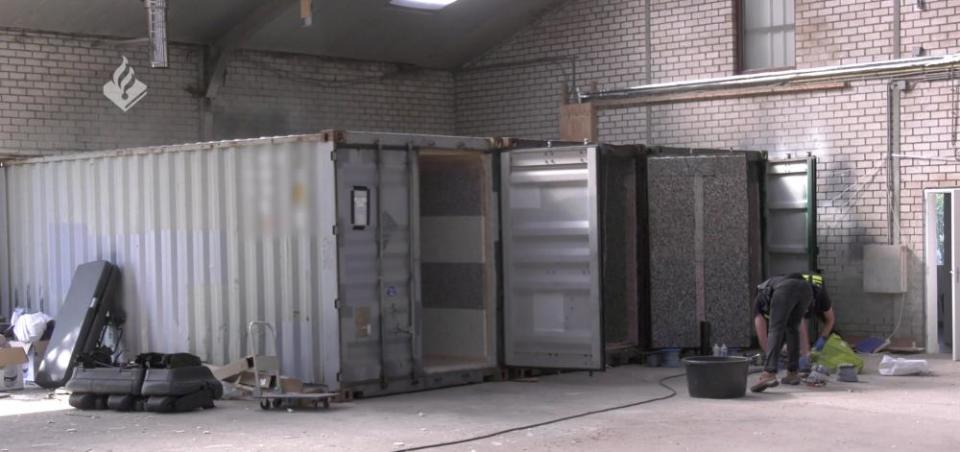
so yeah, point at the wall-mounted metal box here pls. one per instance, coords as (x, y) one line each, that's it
(885, 268)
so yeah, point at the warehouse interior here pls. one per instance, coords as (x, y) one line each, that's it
(479, 224)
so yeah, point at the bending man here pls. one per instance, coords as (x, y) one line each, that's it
(821, 307)
(785, 300)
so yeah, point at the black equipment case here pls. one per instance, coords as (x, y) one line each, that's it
(155, 382)
(90, 302)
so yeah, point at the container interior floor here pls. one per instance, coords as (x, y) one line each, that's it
(456, 252)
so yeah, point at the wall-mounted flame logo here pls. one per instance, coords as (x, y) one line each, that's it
(124, 77)
(124, 90)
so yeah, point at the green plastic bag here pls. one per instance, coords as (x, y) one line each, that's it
(836, 352)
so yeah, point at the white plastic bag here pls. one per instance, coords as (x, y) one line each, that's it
(30, 327)
(899, 366)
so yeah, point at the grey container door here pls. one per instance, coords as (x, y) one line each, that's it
(377, 269)
(791, 216)
(551, 268)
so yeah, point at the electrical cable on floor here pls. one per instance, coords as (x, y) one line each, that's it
(661, 382)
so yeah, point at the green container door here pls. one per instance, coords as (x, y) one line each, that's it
(791, 217)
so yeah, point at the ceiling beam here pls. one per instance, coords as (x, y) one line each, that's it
(219, 53)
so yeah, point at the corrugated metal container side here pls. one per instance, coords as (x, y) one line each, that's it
(208, 237)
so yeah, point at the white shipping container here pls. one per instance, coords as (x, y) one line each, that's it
(208, 237)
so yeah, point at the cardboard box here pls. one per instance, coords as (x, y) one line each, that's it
(232, 370)
(35, 352)
(246, 378)
(13, 355)
(291, 385)
(241, 371)
(12, 360)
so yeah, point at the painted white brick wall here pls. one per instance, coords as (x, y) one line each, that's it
(51, 99)
(272, 93)
(51, 96)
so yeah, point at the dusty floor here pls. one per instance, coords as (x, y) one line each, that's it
(879, 413)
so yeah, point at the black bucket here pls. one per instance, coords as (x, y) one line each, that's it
(717, 377)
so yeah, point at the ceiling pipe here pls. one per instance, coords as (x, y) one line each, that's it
(904, 67)
(157, 32)
(920, 157)
(648, 66)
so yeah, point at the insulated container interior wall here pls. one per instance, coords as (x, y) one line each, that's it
(623, 249)
(208, 238)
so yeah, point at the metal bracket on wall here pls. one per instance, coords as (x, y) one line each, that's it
(306, 13)
(894, 92)
(157, 32)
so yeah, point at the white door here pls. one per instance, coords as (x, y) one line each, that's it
(955, 228)
(551, 266)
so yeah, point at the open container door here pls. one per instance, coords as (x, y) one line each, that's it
(791, 217)
(551, 259)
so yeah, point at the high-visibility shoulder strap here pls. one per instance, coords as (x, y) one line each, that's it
(814, 279)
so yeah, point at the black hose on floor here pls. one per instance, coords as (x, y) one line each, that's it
(661, 382)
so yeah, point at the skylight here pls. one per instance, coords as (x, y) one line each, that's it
(432, 5)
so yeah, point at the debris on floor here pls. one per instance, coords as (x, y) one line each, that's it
(22, 344)
(261, 374)
(818, 376)
(870, 345)
(835, 352)
(891, 366)
(847, 373)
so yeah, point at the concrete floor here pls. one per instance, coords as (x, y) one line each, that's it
(879, 413)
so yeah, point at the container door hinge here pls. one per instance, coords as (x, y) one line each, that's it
(337, 304)
(339, 375)
(333, 155)
(336, 230)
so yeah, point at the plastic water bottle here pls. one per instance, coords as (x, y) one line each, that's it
(716, 350)
(723, 350)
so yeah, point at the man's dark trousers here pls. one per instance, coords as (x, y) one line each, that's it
(790, 300)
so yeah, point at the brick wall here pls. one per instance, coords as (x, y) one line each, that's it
(51, 98)
(845, 129)
(273, 94)
(604, 37)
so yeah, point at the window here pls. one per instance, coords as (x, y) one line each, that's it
(766, 35)
(942, 203)
(431, 5)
